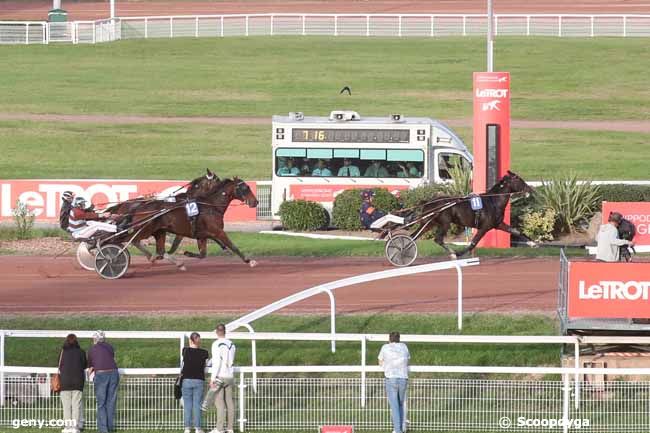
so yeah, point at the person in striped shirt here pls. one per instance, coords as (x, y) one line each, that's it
(84, 223)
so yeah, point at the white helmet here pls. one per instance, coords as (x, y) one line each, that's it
(79, 202)
(67, 195)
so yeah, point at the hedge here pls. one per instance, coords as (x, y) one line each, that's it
(345, 213)
(303, 215)
(625, 192)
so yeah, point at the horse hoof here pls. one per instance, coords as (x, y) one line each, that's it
(532, 244)
(252, 263)
(453, 256)
(182, 268)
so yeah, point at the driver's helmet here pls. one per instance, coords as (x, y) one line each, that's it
(67, 195)
(79, 202)
(367, 194)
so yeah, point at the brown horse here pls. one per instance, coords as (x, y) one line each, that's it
(444, 211)
(212, 196)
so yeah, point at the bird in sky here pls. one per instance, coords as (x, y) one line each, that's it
(346, 89)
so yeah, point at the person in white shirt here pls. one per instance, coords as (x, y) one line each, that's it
(222, 379)
(394, 358)
(608, 241)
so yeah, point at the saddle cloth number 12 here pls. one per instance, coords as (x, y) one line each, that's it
(191, 208)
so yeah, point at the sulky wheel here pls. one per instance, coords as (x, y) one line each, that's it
(86, 257)
(112, 261)
(401, 250)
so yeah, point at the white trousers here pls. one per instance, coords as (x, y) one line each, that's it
(381, 222)
(93, 227)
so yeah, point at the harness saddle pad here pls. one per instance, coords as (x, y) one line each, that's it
(191, 208)
(476, 202)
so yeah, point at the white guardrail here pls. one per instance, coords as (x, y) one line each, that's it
(368, 25)
(306, 396)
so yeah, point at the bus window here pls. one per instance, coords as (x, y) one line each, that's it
(449, 161)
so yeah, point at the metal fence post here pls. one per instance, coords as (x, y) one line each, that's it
(559, 25)
(592, 26)
(496, 25)
(336, 25)
(196, 27)
(146, 28)
(182, 345)
(171, 27)
(222, 26)
(624, 26)
(94, 35)
(363, 371)
(464, 25)
(242, 387)
(459, 279)
(272, 22)
(27, 33)
(399, 30)
(304, 18)
(332, 318)
(246, 25)
(2, 366)
(432, 33)
(576, 365)
(367, 25)
(527, 25)
(565, 402)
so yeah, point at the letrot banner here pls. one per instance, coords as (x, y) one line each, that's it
(636, 212)
(609, 290)
(43, 197)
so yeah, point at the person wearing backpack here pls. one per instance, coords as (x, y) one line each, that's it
(193, 374)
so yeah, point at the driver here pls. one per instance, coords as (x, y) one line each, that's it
(373, 218)
(84, 223)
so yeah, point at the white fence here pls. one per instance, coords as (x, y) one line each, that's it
(383, 25)
(441, 398)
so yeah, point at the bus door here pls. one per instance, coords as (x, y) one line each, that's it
(445, 161)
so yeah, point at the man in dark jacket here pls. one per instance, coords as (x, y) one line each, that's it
(71, 368)
(101, 360)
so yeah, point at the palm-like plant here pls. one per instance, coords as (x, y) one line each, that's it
(574, 202)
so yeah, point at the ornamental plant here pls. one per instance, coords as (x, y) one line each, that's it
(303, 215)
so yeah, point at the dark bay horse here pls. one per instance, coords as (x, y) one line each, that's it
(444, 211)
(213, 196)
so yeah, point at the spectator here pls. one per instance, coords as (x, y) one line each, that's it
(193, 372)
(348, 170)
(289, 169)
(71, 368)
(375, 169)
(101, 361)
(608, 240)
(394, 358)
(222, 379)
(410, 170)
(321, 169)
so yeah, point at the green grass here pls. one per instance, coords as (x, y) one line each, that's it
(164, 353)
(177, 151)
(11, 234)
(603, 78)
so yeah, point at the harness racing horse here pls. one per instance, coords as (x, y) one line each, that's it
(157, 218)
(444, 211)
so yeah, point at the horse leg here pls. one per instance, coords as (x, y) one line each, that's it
(143, 250)
(175, 244)
(513, 231)
(203, 249)
(440, 240)
(160, 251)
(475, 240)
(223, 239)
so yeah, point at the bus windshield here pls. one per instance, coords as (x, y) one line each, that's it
(333, 162)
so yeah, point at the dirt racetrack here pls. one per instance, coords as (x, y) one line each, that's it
(225, 285)
(85, 10)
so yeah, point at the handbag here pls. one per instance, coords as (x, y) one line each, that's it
(178, 387)
(55, 380)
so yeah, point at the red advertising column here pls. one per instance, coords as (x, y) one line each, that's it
(491, 140)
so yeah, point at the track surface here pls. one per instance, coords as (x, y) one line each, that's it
(37, 10)
(224, 284)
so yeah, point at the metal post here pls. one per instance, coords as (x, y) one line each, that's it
(367, 25)
(2, 366)
(246, 25)
(181, 346)
(242, 386)
(222, 26)
(304, 18)
(496, 25)
(196, 27)
(490, 39)
(592, 26)
(146, 28)
(336, 25)
(94, 36)
(559, 26)
(332, 318)
(171, 27)
(432, 33)
(253, 355)
(112, 9)
(459, 276)
(576, 365)
(363, 371)
(464, 25)
(527, 25)
(399, 30)
(624, 26)
(272, 22)
(27, 33)
(565, 402)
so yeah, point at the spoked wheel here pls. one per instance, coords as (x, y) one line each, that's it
(112, 261)
(86, 257)
(401, 250)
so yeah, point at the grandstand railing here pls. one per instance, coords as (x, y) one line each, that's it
(441, 398)
(368, 25)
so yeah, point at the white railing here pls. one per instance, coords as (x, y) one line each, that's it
(364, 25)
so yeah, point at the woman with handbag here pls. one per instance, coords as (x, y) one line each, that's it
(72, 363)
(193, 382)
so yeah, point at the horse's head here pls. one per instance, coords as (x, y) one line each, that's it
(203, 186)
(243, 192)
(514, 183)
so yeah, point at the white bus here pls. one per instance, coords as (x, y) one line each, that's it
(316, 158)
